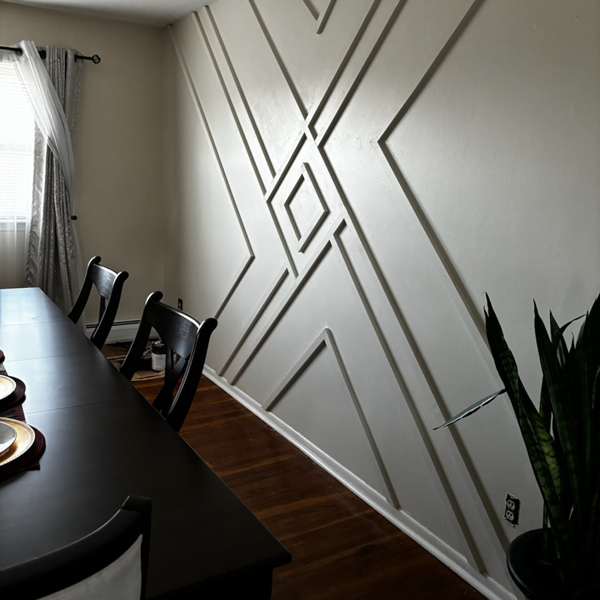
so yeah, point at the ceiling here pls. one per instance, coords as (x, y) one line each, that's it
(147, 12)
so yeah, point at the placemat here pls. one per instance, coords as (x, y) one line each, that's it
(11, 407)
(28, 461)
(17, 397)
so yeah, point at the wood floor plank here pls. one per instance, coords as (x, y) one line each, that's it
(341, 548)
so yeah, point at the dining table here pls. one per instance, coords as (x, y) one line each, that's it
(104, 442)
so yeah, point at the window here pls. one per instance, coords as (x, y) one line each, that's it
(17, 145)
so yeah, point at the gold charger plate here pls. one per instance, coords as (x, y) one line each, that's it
(7, 386)
(8, 435)
(24, 441)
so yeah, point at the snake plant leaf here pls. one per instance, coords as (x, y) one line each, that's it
(506, 365)
(595, 422)
(590, 546)
(558, 391)
(558, 340)
(503, 357)
(538, 441)
(546, 468)
(562, 439)
(557, 462)
(578, 372)
(545, 407)
(471, 409)
(541, 449)
(590, 358)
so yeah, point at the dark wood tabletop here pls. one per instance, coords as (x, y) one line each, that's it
(105, 442)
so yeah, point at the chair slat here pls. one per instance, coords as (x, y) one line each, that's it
(110, 286)
(185, 337)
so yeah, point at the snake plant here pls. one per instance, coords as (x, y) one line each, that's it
(562, 437)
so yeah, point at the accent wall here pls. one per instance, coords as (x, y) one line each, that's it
(343, 182)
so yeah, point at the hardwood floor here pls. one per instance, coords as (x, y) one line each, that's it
(341, 548)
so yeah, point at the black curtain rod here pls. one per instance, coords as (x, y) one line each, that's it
(94, 58)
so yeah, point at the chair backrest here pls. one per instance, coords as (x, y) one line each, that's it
(109, 285)
(111, 562)
(183, 336)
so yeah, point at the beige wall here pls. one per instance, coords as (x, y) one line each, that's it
(118, 151)
(343, 199)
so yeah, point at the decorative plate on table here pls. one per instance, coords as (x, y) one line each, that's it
(8, 435)
(7, 386)
(24, 440)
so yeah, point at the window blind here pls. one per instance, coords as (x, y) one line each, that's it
(17, 143)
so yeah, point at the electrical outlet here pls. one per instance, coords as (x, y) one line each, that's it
(512, 508)
(179, 303)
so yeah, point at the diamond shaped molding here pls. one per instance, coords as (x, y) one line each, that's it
(306, 231)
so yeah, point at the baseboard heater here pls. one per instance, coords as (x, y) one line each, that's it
(122, 331)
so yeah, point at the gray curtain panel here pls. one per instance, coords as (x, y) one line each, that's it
(53, 262)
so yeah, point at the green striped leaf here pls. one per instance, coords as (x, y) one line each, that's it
(558, 340)
(562, 439)
(538, 441)
(558, 391)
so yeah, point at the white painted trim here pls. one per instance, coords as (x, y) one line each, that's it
(322, 20)
(326, 340)
(122, 331)
(306, 237)
(249, 258)
(302, 278)
(443, 552)
(256, 315)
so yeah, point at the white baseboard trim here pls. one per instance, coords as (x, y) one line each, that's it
(122, 331)
(443, 552)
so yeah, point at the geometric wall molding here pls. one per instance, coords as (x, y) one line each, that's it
(321, 19)
(254, 128)
(307, 135)
(286, 302)
(382, 22)
(415, 530)
(256, 314)
(293, 90)
(304, 234)
(450, 270)
(367, 161)
(262, 156)
(249, 258)
(325, 340)
(307, 131)
(436, 546)
(486, 506)
(236, 280)
(428, 449)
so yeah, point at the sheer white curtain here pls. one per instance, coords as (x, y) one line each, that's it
(52, 260)
(17, 148)
(49, 112)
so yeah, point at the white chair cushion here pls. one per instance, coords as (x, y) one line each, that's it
(121, 580)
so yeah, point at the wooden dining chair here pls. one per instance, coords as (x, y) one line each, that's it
(187, 343)
(109, 285)
(111, 562)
